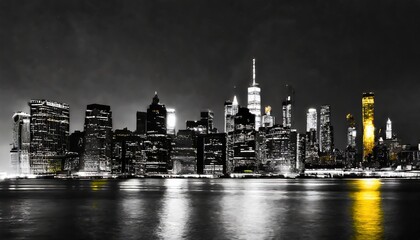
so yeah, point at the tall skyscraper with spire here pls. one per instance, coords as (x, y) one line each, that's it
(254, 98)
(231, 109)
(388, 133)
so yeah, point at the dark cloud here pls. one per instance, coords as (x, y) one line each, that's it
(194, 53)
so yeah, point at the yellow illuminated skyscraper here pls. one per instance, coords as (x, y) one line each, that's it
(368, 125)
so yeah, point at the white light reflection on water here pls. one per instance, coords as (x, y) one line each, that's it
(175, 211)
(248, 213)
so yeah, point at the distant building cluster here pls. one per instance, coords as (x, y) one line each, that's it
(250, 142)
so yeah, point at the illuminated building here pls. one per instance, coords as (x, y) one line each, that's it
(49, 135)
(351, 131)
(170, 121)
(268, 120)
(368, 124)
(351, 150)
(21, 143)
(254, 98)
(73, 157)
(157, 145)
(311, 120)
(211, 154)
(141, 121)
(183, 154)
(244, 144)
(204, 125)
(279, 152)
(326, 137)
(287, 112)
(98, 139)
(128, 157)
(388, 132)
(231, 108)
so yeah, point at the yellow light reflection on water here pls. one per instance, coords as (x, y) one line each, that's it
(366, 209)
(97, 184)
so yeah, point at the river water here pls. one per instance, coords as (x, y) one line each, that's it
(210, 209)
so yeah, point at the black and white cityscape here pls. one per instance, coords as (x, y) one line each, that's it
(252, 143)
(210, 119)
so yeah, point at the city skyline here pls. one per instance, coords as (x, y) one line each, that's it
(187, 79)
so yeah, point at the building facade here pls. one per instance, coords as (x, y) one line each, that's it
(50, 124)
(20, 147)
(368, 101)
(254, 99)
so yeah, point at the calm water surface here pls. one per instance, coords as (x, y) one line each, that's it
(210, 209)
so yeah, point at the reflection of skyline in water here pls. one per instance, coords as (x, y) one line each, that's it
(209, 209)
(367, 210)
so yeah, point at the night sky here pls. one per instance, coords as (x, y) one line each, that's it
(197, 54)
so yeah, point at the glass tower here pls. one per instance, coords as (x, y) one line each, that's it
(368, 125)
(254, 99)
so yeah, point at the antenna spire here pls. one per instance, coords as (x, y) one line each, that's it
(253, 71)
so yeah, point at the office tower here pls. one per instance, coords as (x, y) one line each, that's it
(244, 144)
(141, 121)
(98, 139)
(231, 108)
(156, 117)
(388, 129)
(326, 138)
(211, 154)
(184, 153)
(311, 120)
(287, 112)
(73, 158)
(19, 152)
(368, 124)
(351, 131)
(50, 123)
(254, 98)
(170, 121)
(204, 125)
(279, 153)
(128, 157)
(267, 119)
(158, 145)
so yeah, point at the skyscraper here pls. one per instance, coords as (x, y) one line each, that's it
(231, 108)
(50, 123)
(311, 120)
(204, 125)
(98, 139)
(19, 152)
(156, 117)
(244, 144)
(326, 138)
(141, 120)
(267, 119)
(368, 123)
(158, 145)
(287, 112)
(388, 133)
(351, 131)
(254, 98)
(170, 121)
(211, 154)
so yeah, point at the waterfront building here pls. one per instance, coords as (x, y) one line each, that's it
(170, 121)
(267, 119)
(20, 146)
(368, 124)
(184, 153)
(351, 150)
(211, 154)
(243, 141)
(98, 139)
(254, 98)
(158, 145)
(74, 155)
(128, 155)
(280, 152)
(49, 123)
